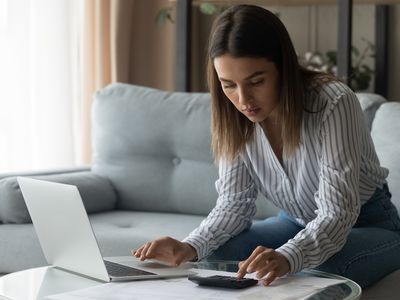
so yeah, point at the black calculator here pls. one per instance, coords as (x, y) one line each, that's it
(223, 281)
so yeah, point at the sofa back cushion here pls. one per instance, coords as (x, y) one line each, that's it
(97, 194)
(386, 136)
(154, 146)
(370, 103)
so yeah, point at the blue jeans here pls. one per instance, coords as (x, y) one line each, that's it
(372, 249)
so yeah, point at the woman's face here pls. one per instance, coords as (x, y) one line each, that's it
(251, 84)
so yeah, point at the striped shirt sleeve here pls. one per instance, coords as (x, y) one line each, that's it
(234, 210)
(337, 198)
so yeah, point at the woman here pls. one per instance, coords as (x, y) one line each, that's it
(299, 138)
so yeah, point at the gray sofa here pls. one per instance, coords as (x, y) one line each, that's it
(152, 174)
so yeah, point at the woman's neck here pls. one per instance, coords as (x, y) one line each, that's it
(272, 128)
(272, 123)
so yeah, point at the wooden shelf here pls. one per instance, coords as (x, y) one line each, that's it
(291, 2)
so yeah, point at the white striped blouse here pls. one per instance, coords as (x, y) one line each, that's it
(322, 185)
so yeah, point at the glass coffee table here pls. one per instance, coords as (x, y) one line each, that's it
(38, 283)
(348, 290)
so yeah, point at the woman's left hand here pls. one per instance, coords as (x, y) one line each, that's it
(266, 262)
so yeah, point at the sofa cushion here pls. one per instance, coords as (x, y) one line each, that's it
(386, 136)
(154, 146)
(19, 248)
(97, 194)
(117, 233)
(370, 104)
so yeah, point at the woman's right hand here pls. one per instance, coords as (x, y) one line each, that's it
(167, 250)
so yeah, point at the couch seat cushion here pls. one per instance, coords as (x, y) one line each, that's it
(117, 233)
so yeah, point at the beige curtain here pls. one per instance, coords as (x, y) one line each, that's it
(96, 61)
(121, 42)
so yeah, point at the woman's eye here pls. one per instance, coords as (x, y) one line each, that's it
(257, 82)
(228, 86)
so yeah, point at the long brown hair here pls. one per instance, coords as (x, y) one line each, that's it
(252, 31)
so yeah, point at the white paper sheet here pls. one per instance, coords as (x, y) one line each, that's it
(291, 287)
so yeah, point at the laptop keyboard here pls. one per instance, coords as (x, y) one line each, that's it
(118, 270)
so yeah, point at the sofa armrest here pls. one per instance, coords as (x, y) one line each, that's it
(96, 191)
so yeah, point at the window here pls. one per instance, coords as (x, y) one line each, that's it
(39, 113)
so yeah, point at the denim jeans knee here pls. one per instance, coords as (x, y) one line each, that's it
(373, 245)
(271, 232)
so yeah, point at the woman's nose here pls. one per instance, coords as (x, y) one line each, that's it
(244, 97)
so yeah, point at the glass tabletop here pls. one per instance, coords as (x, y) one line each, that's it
(41, 282)
(348, 290)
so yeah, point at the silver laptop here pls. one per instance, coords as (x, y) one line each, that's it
(68, 241)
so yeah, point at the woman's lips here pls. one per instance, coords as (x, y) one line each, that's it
(252, 111)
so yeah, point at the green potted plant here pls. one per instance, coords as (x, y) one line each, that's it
(361, 73)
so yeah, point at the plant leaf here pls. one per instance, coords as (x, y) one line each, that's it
(208, 8)
(331, 56)
(355, 51)
(367, 69)
(162, 16)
